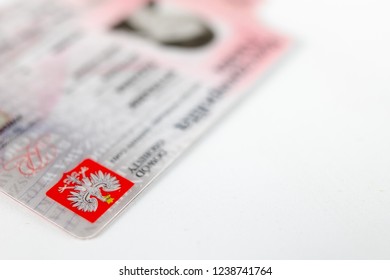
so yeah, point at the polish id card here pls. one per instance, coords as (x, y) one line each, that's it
(110, 93)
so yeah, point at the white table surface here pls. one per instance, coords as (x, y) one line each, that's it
(300, 170)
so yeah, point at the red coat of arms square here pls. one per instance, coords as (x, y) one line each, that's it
(89, 190)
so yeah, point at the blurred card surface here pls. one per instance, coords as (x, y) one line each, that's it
(102, 96)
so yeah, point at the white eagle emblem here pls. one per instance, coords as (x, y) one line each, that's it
(87, 191)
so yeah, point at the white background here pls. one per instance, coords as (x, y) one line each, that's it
(300, 170)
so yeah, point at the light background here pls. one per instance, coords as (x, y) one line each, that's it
(299, 170)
